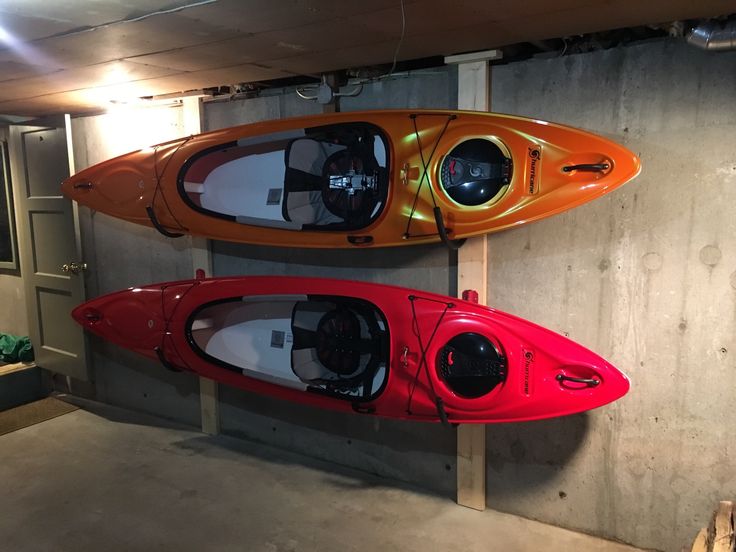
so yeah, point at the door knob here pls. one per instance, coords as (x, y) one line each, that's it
(74, 267)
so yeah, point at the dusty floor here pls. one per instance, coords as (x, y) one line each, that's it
(107, 479)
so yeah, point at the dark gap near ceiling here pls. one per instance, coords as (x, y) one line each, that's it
(554, 47)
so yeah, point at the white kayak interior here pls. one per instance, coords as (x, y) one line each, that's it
(255, 335)
(247, 180)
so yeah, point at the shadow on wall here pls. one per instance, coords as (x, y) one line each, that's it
(396, 435)
(132, 381)
(340, 477)
(426, 267)
(546, 444)
(421, 454)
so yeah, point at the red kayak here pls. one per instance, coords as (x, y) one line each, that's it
(356, 346)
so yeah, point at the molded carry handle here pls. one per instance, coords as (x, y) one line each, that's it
(360, 240)
(441, 412)
(162, 359)
(157, 225)
(587, 167)
(590, 382)
(442, 230)
(363, 408)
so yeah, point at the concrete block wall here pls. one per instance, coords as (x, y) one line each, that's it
(121, 255)
(13, 317)
(646, 277)
(418, 453)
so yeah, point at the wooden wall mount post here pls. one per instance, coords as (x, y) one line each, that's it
(473, 94)
(202, 262)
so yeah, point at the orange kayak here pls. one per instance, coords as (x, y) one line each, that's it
(360, 179)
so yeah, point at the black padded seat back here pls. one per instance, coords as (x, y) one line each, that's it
(304, 181)
(331, 342)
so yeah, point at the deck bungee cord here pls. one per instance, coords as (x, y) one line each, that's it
(439, 221)
(439, 404)
(150, 208)
(159, 350)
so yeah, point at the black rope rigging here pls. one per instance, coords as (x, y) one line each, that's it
(159, 349)
(439, 404)
(150, 208)
(425, 167)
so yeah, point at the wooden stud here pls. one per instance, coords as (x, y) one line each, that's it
(473, 94)
(722, 539)
(209, 404)
(471, 466)
(202, 261)
(700, 544)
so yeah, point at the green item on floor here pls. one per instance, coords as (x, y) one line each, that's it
(15, 348)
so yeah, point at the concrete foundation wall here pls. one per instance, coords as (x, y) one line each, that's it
(120, 255)
(644, 276)
(13, 316)
(418, 453)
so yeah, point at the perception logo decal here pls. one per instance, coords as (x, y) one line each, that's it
(534, 164)
(526, 382)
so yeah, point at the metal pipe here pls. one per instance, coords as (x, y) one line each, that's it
(713, 37)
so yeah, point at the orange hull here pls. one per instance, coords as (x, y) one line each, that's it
(547, 169)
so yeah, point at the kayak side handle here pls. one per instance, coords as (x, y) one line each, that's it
(442, 230)
(157, 225)
(162, 359)
(364, 409)
(360, 240)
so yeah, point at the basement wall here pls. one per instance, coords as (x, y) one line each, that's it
(13, 316)
(120, 255)
(418, 453)
(646, 277)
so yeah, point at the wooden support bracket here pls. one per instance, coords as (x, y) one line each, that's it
(202, 264)
(473, 94)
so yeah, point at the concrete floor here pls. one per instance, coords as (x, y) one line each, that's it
(103, 478)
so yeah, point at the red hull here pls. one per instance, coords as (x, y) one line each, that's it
(538, 365)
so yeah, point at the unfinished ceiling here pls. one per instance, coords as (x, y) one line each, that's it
(79, 55)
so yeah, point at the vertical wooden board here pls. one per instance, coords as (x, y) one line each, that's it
(202, 260)
(723, 531)
(700, 544)
(473, 94)
(471, 466)
(209, 405)
(472, 267)
(473, 90)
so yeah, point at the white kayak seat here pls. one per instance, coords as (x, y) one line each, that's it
(194, 187)
(244, 186)
(309, 156)
(268, 223)
(306, 365)
(308, 208)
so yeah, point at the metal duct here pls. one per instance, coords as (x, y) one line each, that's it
(714, 37)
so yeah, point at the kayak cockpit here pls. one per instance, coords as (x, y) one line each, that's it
(332, 345)
(471, 365)
(476, 172)
(332, 177)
